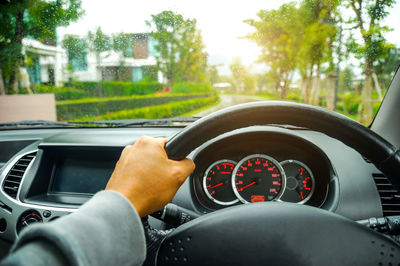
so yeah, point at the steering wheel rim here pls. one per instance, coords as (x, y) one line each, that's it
(369, 144)
(194, 242)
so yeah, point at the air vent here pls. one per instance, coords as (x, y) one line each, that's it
(14, 176)
(390, 197)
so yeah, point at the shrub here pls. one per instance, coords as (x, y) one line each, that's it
(73, 109)
(171, 109)
(90, 87)
(189, 87)
(61, 93)
(124, 88)
(118, 88)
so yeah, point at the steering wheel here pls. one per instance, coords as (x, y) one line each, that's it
(280, 233)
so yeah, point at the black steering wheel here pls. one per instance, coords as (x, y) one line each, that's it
(280, 233)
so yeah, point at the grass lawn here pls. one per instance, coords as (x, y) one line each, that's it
(192, 113)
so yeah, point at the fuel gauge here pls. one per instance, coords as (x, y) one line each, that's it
(299, 182)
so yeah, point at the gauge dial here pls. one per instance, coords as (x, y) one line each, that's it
(299, 182)
(27, 218)
(217, 182)
(258, 178)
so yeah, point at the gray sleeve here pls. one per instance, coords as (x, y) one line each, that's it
(105, 231)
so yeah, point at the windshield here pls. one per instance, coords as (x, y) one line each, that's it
(89, 61)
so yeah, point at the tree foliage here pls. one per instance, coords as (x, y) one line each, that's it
(296, 37)
(278, 33)
(180, 46)
(98, 41)
(368, 15)
(122, 42)
(37, 19)
(75, 47)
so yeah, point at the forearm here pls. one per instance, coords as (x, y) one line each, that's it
(106, 230)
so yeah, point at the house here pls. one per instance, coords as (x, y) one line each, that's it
(44, 63)
(135, 64)
(49, 63)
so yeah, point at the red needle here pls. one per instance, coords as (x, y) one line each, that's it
(220, 184)
(252, 183)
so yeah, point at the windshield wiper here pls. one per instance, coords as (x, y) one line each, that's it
(175, 121)
(38, 123)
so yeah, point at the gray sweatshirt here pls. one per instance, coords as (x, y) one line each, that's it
(106, 230)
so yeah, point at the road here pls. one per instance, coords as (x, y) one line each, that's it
(229, 100)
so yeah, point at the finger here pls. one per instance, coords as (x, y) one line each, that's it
(187, 166)
(125, 150)
(161, 141)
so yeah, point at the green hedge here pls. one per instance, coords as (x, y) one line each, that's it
(123, 88)
(90, 87)
(61, 93)
(171, 109)
(68, 110)
(117, 88)
(189, 87)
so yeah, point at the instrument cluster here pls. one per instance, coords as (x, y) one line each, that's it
(258, 178)
(260, 166)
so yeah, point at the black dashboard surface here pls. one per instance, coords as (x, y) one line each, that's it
(88, 155)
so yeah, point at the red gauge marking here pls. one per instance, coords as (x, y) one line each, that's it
(252, 183)
(217, 185)
(225, 173)
(257, 170)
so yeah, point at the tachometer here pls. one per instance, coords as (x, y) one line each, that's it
(299, 182)
(217, 182)
(258, 178)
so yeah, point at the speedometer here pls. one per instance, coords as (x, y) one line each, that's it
(258, 177)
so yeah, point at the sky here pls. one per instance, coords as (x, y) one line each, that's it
(220, 21)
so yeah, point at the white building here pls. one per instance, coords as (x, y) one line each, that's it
(50, 64)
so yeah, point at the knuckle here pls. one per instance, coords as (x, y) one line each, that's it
(142, 140)
(177, 171)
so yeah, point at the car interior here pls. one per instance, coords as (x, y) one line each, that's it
(334, 186)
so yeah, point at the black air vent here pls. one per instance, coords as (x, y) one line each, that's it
(390, 197)
(13, 178)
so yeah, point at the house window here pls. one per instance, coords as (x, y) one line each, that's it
(34, 71)
(152, 47)
(78, 58)
(137, 74)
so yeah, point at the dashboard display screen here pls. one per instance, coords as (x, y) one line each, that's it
(79, 175)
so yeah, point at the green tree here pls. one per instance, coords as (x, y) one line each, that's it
(386, 66)
(278, 33)
(346, 78)
(76, 48)
(317, 18)
(238, 74)
(38, 19)
(180, 46)
(368, 17)
(98, 43)
(213, 74)
(123, 44)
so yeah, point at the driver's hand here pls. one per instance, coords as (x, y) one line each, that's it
(146, 177)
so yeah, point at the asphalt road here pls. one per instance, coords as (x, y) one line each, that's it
(229, 100)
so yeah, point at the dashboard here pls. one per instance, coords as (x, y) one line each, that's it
(48, 173)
